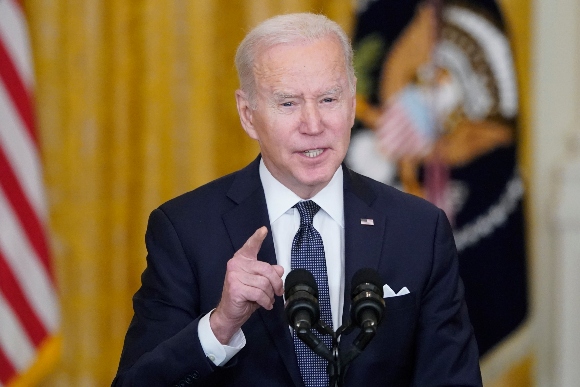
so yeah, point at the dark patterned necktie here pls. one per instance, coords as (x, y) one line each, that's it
(308, 253)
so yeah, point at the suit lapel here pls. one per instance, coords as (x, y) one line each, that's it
(241, 222)
(363, 243)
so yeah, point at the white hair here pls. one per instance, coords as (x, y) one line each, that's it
(287, 29)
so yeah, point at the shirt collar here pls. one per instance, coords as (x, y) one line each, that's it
(280, 199)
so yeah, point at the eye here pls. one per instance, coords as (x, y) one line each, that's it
(328, 100)
(287, 104)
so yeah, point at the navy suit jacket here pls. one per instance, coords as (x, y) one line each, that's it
(425, 338)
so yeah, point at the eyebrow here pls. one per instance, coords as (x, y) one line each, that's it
(283, 95)
(334, 90)
(279, 96)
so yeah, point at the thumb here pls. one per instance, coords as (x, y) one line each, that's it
(252, 246)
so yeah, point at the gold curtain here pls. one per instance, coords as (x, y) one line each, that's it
(135, 105)
(518, 15)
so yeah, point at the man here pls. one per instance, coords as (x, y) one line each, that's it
(210, 312)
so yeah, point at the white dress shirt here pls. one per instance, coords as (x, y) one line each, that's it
(284, 223)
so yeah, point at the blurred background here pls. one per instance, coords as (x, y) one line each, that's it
(133, 104)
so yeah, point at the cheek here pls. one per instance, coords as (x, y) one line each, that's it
(341, 132)
(263, 126)
(273, 140)
(340, 124)
(282, 131)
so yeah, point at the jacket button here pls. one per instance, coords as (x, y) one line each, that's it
(190, 378)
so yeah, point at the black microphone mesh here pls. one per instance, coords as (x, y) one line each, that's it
(366, 275)
(300, 277)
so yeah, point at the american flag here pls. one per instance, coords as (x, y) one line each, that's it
(29, 313)
(367, 222)
(400, 133)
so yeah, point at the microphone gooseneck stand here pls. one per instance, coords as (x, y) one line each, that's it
(343, 359)
(303, 313)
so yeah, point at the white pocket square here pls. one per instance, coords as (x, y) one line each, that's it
(388, 292)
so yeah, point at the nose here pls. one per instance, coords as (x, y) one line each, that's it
(311, 119)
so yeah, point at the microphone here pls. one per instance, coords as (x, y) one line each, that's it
(367, 306)
(303, 311)
(367, 299)
(301, 293)
(366, 311)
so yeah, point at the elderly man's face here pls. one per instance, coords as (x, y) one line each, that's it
(304, 112)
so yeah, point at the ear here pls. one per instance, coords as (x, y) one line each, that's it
(246, 113)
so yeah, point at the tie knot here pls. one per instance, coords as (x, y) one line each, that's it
(307, 210)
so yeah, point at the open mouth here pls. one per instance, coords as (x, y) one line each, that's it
(313, 152)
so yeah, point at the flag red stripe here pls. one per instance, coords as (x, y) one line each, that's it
(19, 3)
(7, 370)
(13, 293)
(17, 90)
(28, 218)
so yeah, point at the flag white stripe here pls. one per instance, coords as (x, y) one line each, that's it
(394, 123)
(21, 153)
(394, 133)
(14, 34)
(397, 136)
(395, 142)
(27, 269)
(394, 117)
(13, 340)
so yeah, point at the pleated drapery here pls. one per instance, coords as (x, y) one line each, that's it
(135, 105)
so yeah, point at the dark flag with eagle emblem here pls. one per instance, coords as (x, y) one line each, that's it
(437, 110)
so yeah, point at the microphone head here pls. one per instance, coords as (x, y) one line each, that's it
(366, 276)
(301, 277)
(367, 297)
(301, 293)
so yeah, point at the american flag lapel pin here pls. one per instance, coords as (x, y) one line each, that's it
(367, 222)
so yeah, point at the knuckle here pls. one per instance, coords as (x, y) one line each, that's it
(233, 264)
(264, 283)
(261, 267)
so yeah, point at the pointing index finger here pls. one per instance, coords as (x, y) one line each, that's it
(252, 246)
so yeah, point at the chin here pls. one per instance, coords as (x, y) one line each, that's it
(316, 179)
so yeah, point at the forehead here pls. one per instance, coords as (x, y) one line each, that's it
(313, 64)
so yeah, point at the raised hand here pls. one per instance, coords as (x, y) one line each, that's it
(248, 284)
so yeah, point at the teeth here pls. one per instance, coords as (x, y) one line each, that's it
(313, 152)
